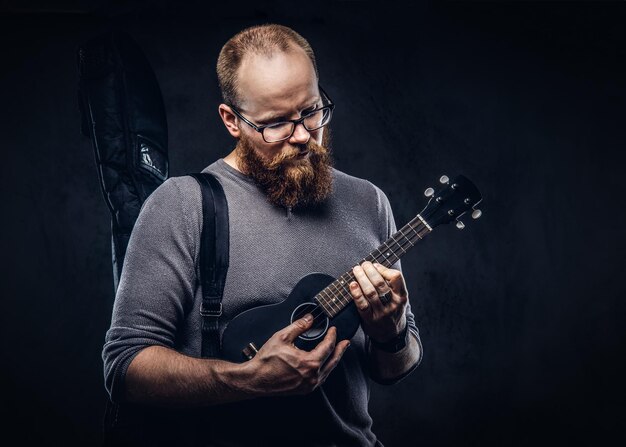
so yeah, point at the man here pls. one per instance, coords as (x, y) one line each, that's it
(291, 213)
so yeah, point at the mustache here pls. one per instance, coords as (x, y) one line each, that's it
(311, 146)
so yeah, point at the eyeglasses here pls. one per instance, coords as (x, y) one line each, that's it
(283, 130)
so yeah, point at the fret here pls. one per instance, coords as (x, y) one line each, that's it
(377, 257)
(336, 297)
(418, 235)
(387, 254)
(407, 239)
(394, 239)
(347, 278)
(343, 289)
(332, 307)
(321, 303)
(334, 301)
(329, 300)
(344, 284)
(339, 299)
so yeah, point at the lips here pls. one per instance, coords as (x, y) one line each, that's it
(299, 156)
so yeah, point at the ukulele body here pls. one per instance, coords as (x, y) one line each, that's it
(248, 331)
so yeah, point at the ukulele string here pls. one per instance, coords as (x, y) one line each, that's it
(319, 312)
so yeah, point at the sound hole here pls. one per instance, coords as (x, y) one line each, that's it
(320, 323)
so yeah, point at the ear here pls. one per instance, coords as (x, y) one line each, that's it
(230, 120)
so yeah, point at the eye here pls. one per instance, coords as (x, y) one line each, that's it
(277, 124)
(272, 122)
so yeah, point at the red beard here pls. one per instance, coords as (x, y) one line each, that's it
(287, 181)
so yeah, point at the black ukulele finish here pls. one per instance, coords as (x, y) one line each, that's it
(328, 299)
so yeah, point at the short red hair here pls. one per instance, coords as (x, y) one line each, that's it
(261, 39)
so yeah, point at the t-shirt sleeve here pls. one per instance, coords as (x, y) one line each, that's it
(156, 285)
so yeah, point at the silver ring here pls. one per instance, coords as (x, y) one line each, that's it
(385, 298)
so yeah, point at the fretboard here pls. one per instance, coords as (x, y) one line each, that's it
(336, 296)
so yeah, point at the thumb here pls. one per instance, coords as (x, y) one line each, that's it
(298, 327)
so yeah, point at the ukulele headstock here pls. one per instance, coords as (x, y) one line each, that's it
(450, 201)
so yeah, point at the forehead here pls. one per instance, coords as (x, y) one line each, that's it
(279, 83)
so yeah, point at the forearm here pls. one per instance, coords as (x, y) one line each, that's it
(162, 376)
(385, 366)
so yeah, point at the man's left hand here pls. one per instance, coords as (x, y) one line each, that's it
(383, 319)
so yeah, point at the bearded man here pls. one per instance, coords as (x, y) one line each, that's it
(290, 213)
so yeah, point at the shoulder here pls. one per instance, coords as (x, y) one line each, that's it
(350, 183)
(359, 189)
(175, 207)
(176, 194)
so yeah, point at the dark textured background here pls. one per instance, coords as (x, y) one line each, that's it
(521, 314)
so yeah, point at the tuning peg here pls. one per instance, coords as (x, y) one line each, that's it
(476, 214)
(460, 225)
(429, 192)
(444, 179)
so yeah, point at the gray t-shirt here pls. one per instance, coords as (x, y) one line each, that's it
(271, 249)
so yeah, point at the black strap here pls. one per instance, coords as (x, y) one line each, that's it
(213, 260)
(127, 424)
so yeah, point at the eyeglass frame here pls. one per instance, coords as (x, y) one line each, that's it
(330, 106)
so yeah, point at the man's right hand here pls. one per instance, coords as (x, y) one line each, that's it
(281, 369)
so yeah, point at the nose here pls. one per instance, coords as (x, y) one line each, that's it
(300, 135)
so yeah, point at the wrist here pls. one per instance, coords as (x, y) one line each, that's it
(400, 328)
(240, 378)
(394, 344)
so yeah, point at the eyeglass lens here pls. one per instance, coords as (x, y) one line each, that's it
(282, 131)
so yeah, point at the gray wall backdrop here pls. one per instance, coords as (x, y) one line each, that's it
(521, 314)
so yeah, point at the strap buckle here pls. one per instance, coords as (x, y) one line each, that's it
(212, 311)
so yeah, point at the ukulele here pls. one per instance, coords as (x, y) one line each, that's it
(328, 299)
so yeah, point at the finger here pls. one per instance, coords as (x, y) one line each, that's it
(368, 288)
(380, 284)
(323, 350)
(362, 304)
(339, 351)
(395, 279)
(298, 327)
